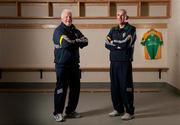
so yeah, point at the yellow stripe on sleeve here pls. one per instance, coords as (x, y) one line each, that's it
(60, 40)
(108, 38)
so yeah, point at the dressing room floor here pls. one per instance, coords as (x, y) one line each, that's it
(152, 108)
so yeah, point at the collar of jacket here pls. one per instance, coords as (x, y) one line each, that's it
(126, 27)
(68, 27)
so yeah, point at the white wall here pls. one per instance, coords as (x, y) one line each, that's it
(34, 48)
(174, 45)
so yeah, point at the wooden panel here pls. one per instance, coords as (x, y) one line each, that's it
(97, 17)
(3, 2)
(92, 1)
(111, 12)
(151, 25)
(144, 9)
(27, 90)
(113, 9)
(27, 26)
(82, 9)
(35, 1)
(50, 9)
(81, 26)
(41, 90)
(18, 9)
(168, 10)
(157, 1)
(139, 69)
(139, 9)
(83, 69)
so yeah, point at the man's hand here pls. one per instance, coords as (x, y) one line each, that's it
(81, 40)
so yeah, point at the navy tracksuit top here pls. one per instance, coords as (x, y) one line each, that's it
(66, 50)
(120, 42)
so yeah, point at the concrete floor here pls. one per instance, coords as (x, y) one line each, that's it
(158, 108)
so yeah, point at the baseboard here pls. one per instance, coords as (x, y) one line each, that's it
(172, 89)
(85, 87)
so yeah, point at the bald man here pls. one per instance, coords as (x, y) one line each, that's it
(120, 42)
(67, 41)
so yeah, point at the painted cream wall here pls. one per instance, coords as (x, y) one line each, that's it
(174, 45)
(34, 48)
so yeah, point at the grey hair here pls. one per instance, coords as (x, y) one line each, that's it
(123, 10)
(64, 12)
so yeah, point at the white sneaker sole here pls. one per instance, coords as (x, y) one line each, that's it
(130, 118)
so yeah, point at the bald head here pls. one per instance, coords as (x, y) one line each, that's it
(121, 16)
(122, 11)
(66, 17)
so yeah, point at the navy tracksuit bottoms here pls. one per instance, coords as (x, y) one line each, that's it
(122, 90)
(67, 77)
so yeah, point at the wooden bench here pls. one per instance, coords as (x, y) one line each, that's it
(135, 69)
(83, 69)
